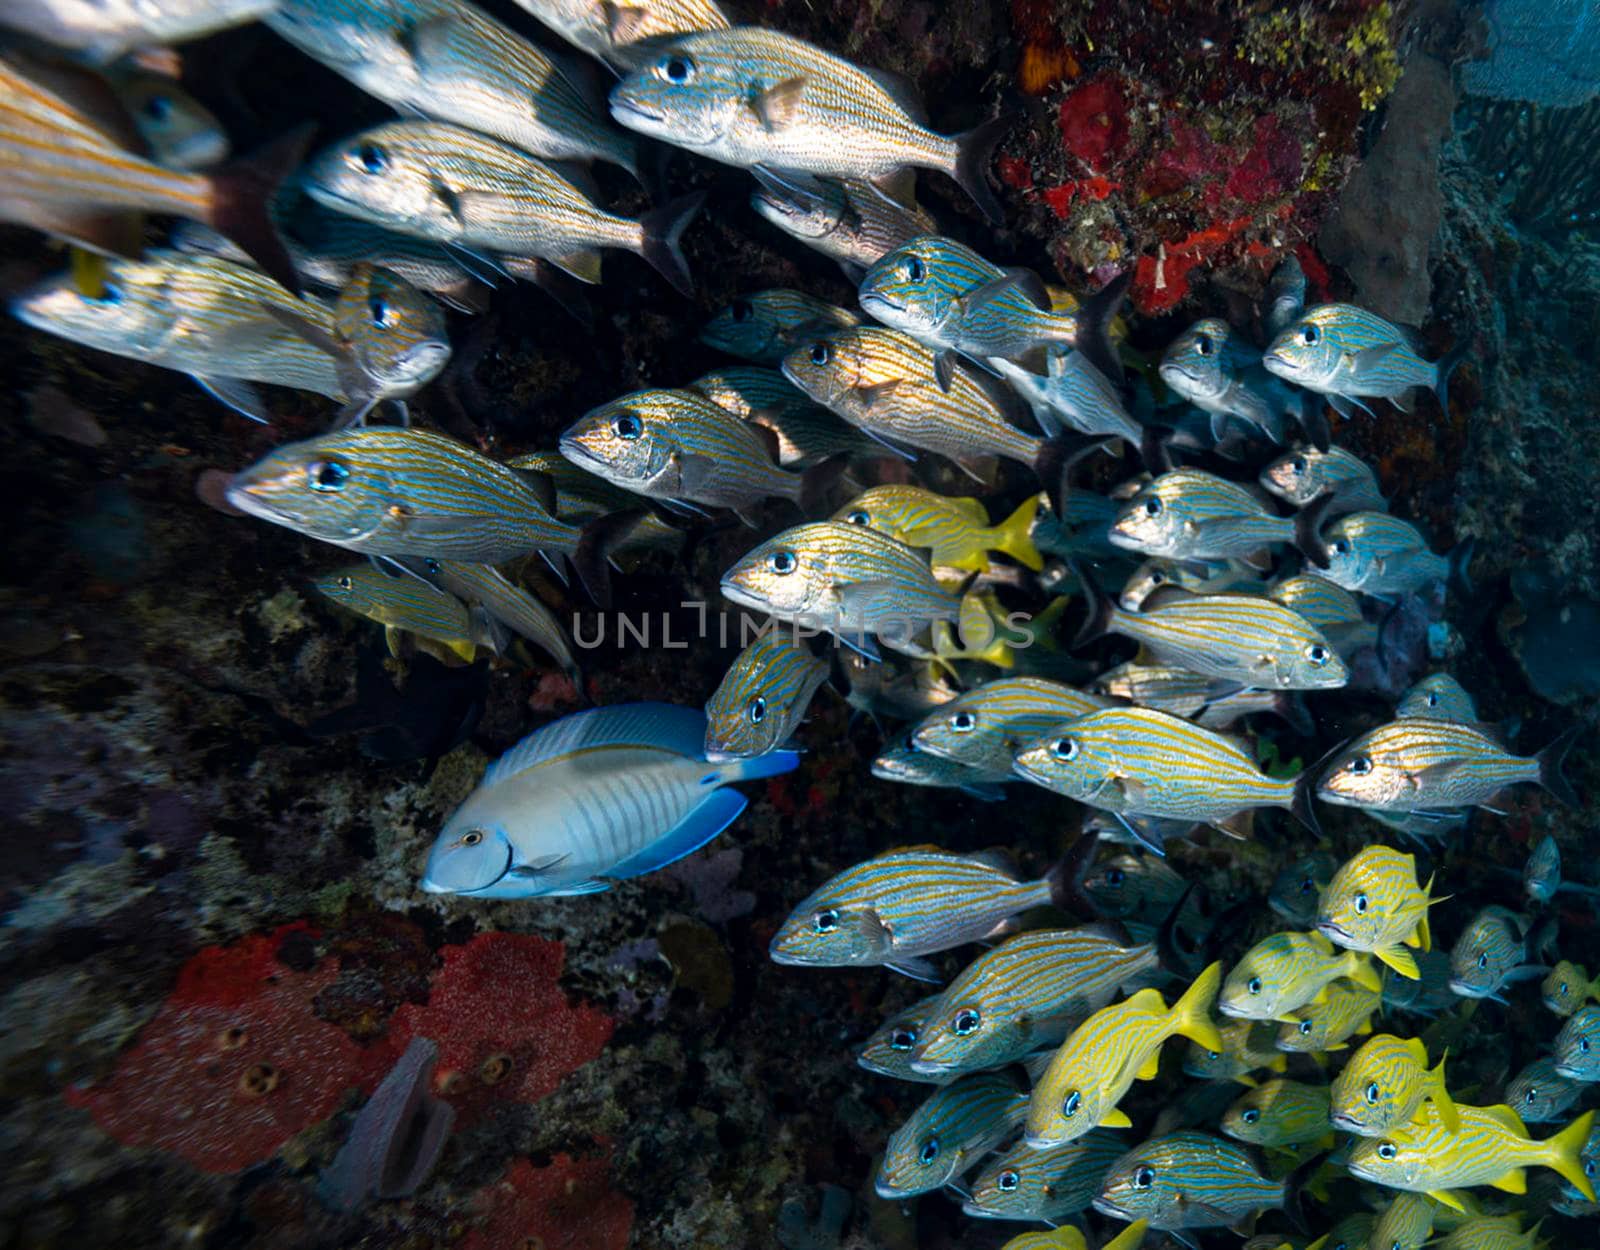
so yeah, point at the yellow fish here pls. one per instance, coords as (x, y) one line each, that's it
(1282, 973)
(1281, 1115)
(1105, 1054)
(956, 532)
(1492, 1147)
(1492, 1232)
(1568, 987)
(1384, 1085)
(1374, 904)
(982, 632)
(1321, 1026)
(1246, 1047)
(1069, 1238)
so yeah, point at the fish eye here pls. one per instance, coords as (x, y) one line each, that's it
(1070, 1104)
(1563, 988)
(1583, 1045)
(1483, 960)
(378, 310)
(963, 722)
(1213, 1055)
(1007, 1181)
(1152, 506)
(1299, 464)
(1318, 654)
(782, 563)
(1064, 749)
(1372, 1094)
(741, 310)
(1361, 904)
(472, 837)
(372, 158)
(1342, 546)
(902, 1039)
(1305, 1028)
(158, 108)
(1532, 1093)
(858, 517)
(1144, 1177)
(1203, 344)
(627, 425)
(1115, 876)
(1433, 700)
(966, 1021)
(346, 582)
(1387, 1150)
(1254, 985)
(1157, 577)
(1309, 334)
(826, 921)
(1589, 1168)
(677, 68)
(929, 1151)
(916, 271)
(821, 353)
(326, 476)
(756, 710)
(1308, 886)
(1360, 766)
(1251, 1116)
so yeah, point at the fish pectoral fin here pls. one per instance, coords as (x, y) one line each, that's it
(1400, 959)
(916, 968)
(1446, 1198)
(1020, 280)
(778, 107)
(1370, 357)
(1151, 1067)
(695, 472)
(243, 397)
(1116, 1118)
(869, 395)
(1513, 1182)
(394, 639)
(859, 599)
(944, 369)
(429, 41)
(710, 816)
(305, 328)
(537, 867)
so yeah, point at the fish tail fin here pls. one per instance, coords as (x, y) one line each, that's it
(1300, 800)
(1102, 609)
(1443, 1103)
(1191, 1014)
(974, 150)
(1312, 414)
(1095, 315)
(1155, 451)
(660, 234)
(1550, 760)
(1014, 535)
(241, 203)
(1290, 708)
(818, 480)
(772, 764)
(1564, 1149)
(1446, 367)
(1308, 524)
(1295, 1186)
(1459, 577)
(1055, 461)
(596, 542)
(1362, 972)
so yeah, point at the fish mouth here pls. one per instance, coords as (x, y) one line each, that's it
(869, 298)
(580, 455)
(976, 1209)
(931, 1067)
(1115, 1210)
(740, 597)
(1347, 1122)
(1467, 990)
(720, 757)
(622, 109)
(245, 496)
(1033, 1142)
(1571, 1071)
(1329, 929)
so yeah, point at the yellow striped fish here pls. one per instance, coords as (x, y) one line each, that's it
(1167, 688)
(1188, 1180)
(180, 131)
(622, 34)
(955, 531)
(1246, 1048)
(1380, 555)
(1053, 1184)
(1405, 1224)
(750, 96)
(1219, 373)
(1282, 973)
(766, 326)
(1492, 1147)
(847, 220)
(1492, 1232)
(1344, 1011)
(1567, 988)
(1374, 904)
(100, 33)
(403, 604)
(1170, 578)
(1330, 608)
(903, 763)
(952, 1129)
(888, 1051)
(1075, 391)
(1026, 994)
(984, 728)
(1441, 696)
(1301, 476)
(1105, 1054)
(1281, 1115)
(762, 699)
(1189, 514)
(484, 586)
(806, 432)
(1069, 1238)
(1491, 953)
(1577, 1046)
(1384, 1085)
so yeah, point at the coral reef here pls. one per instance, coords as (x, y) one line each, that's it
(565, 1205)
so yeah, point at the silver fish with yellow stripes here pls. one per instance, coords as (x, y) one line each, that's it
(1242, 638)
(409, 605)
(1405, 1224)
(1540, 1094)
(1281, 1115)
(101, 32)
(1343, 1010)
(1441, 696)
(1210, 366)
(950, 1131)
(805, 431)
(1189, 514)
(455, 186)
(1568, 987)
(848, 221)
(74, 172)
(679, 447)
(1148, 763)
(984, 728)
(452, 62)
(1159, 576)
(1052, 1184)
(1300, 476)
(1384, 1085)
(1492, 1147)
(903, 906)
(1577, 1046)
(956, 531)
(482, 585)
(1074, 391)
(762, 699)
(903, 763)
(621, 34)
(1283, 972)
(1381, 555)
(1027, 993)
(1098, 1064)
(1246, 1047)
(1373, 903)
(211, 319)
(1420, 763)
(847, 579)
(1329, 607)
(180, 131)
(888, 1051)
(1493, 1232)
(749, 96)
(1347, 353)
(766, 326)
(1133, 886)
(1188, 1180)
(1164, 687)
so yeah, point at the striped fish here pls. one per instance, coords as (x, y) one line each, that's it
(1212, 368)
(1329, 607)
(1492, 1147)
(1405, 1224)
(1246, 1047)
(1540, 1093)
(450, 61)
(806, 432)
(903, 693)
(846, 220)
(1241, 638)
(1052, 1184)
(180, 131)
(903, 906)
(1420, 763)
(749, 96)
(762, 699)
(952, 1129)
(406, 605)
(1440, 696)
(1075, 392)
(1164, 687)
(1298, 477)
(1134, 759)
(984, 728)
(1567, 988)
(766, 326)
(956, 531)
(1188, 514)
(1347, 354)
(212, 319)
(1492, 1232)
(1344, 1011)
(1281, 1115)
(847, 579)
(1069, 1238)
(1187, 1180)
(594, 798)
(903, 763)
(679, 447)
(1373, 903)
(72, 171)
(1384, 1085)
(484, 586)
(1297, 888)
(1099, 1062)
(624, 34)
(100, 33)
(1282, 973)
(1577, 1046)
(888, 1051)
(1171, 579)
(1381, 555)
(1133, 887)
(1025, 994)
(454, 186)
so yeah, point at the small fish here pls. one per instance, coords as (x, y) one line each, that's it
(1405, 1224)
(1425, 829)
(1384, 1085)
(888, 1051)
(456, 187)
(847, 221)
(1567, 988)
(1053, 1184)
(1285, 296)
(1188, 514)
(1492, 1232)
(888, 689)
(762, 699)
(1329, 607)
(956, 531)
(903, 763)
(1280, 1114)
(1243, 638)
(1246, 1047)
(100, 33)
(482, 585)
(180, 131)
(1099, 1062)
(1427, 996)
(749, 96)
(767, 326)
(1298, 477)
(409, 605)
(1577, 1047)
(1284, 972)
(1159, 578)
(1134, 886)
(1540, 1094)
(1347, 353)
(1069, 1238)
(1381, 555)
(1350, 1233)
(806, 432)
(1420, 764)
(624, 34)
(1374, 904)
(1214, 370)
(1297, 889)
(1134, 759)
(1344, 1011)
(1025, 994)
(952, 1129)
(985, 727)
(1075, 392)
(902, 906)
(1541, 875)
(1164, 687)
(1188, 1180)
(1492, 1147)
(589, 800)
(679, 447)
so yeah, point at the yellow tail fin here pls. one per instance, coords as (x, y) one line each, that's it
(1191, 1014)
(1563, 1151)
(1130, 1238)
(1440, 1093)
(1013, 535)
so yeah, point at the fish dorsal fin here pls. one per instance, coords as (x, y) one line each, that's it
(662, 725)
(903, 92)
(1147, 1000)
(1507, 1118)
(998, 858)
(1417, 1051)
